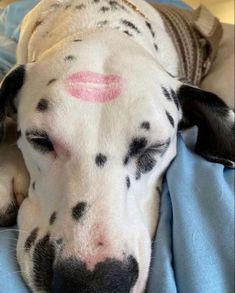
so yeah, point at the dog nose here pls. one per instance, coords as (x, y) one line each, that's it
(110, 276)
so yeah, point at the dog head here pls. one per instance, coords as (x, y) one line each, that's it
(97, 121)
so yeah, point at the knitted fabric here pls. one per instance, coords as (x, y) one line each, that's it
(196, 36)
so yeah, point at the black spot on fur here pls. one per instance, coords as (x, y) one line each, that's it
(145, 155)
(42, 105)
(67, 6)
(126, 160)
(51, 81)
(115, 5)
(77, 40)
(31, 239)
(69, 58)
(52, 218)
(131, 25)
(145, 125)
(166, 93)
(81, 6)
(128, 182)
(137, 145)
(128, 33)
(79, 210)
(33, 185)
(18, 135)
(43, 258)
(148, 24)
(146, 162)
(96, 1)
(175, 99)
(170, 118)
(155, 46)
(135, 148)
(171, 96)
(104, 9)
(100, 160)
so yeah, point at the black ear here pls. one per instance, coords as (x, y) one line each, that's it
(9, 88)
(215, 121)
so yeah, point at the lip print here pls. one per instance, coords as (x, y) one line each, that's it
(94, 87)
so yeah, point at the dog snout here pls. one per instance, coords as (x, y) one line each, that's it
(72, 275)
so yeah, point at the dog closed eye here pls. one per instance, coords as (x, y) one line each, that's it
(40, 140)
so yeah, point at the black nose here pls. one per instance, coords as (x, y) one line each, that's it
(111, 276)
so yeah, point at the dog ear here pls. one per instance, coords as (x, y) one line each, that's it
(9, 87)
(215, 122)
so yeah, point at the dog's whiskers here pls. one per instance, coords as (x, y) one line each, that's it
(11, 273)
(12, 239)
(15, 230)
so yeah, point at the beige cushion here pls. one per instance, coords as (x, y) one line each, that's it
(220, 79)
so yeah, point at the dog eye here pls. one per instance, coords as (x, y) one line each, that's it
(40, 141)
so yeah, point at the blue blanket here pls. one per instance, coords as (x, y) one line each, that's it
(10, 19)
(194, 246)
(193, 249)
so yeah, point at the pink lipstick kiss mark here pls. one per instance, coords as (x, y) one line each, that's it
(94, 87)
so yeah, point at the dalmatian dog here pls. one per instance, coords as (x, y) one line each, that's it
(98, 106)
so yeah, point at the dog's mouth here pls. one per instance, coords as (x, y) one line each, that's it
(94, 87)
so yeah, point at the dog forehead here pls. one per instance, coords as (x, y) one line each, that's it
(98, 59)
(71, 80)
(91, 93)
(86, 127)
(89, 87)
(102, 51)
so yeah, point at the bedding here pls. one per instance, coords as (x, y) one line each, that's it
(193, 248)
